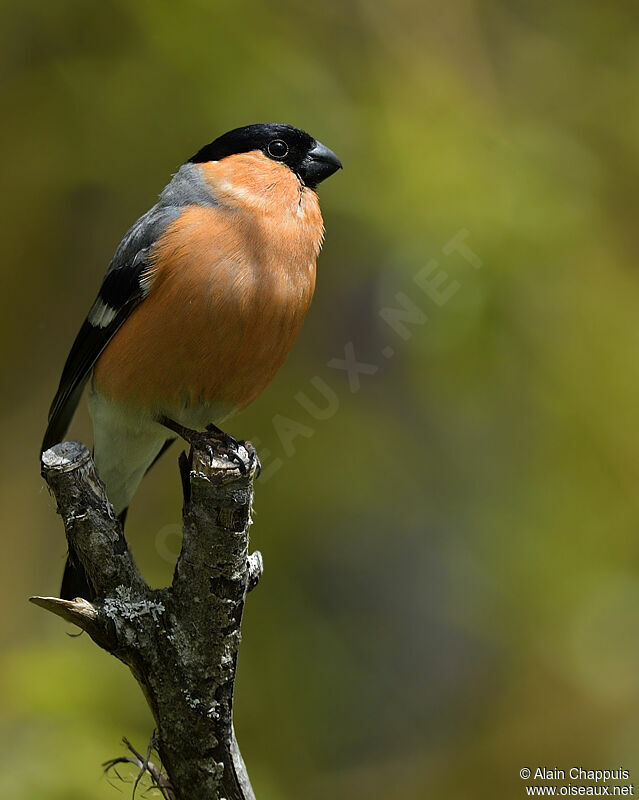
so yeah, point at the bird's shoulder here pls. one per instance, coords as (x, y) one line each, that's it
(125, 275)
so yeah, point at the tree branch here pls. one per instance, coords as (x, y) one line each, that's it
(180, 642)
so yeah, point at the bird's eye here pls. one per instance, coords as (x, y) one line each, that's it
(277, 148)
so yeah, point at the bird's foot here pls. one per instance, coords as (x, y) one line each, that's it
(215, 442)
(231, 447)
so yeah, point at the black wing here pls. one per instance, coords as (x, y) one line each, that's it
(88, 345)
(125, 285)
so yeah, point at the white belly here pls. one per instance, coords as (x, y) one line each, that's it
(126, 443)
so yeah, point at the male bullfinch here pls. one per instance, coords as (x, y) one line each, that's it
(199, 306)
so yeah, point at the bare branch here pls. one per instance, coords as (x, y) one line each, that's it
(180, 642)
(80, 612)
(93, 531)
(145, 766)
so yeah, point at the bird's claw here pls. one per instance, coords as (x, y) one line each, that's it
(218, 442)
(254, 462)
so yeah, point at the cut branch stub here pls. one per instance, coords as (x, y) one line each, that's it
(94, 534)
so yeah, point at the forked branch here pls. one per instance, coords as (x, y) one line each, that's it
(180, 642)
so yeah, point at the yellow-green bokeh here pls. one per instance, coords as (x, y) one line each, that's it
(451, 558)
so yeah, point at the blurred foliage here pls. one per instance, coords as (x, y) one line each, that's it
(452, 560)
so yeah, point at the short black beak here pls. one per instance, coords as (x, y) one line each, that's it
(320, 163)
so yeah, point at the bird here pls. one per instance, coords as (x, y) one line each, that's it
(199, 307)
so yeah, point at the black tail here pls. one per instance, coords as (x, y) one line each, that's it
(75, 581)
(60, 419)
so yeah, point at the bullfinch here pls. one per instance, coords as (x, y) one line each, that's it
(199, 307)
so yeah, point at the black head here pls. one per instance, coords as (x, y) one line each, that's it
(310, 160)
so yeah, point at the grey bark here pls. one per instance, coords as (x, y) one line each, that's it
(180, 642)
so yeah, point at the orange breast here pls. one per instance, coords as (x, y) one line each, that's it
(231, 287)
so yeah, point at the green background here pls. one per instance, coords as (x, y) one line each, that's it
(451, 587)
